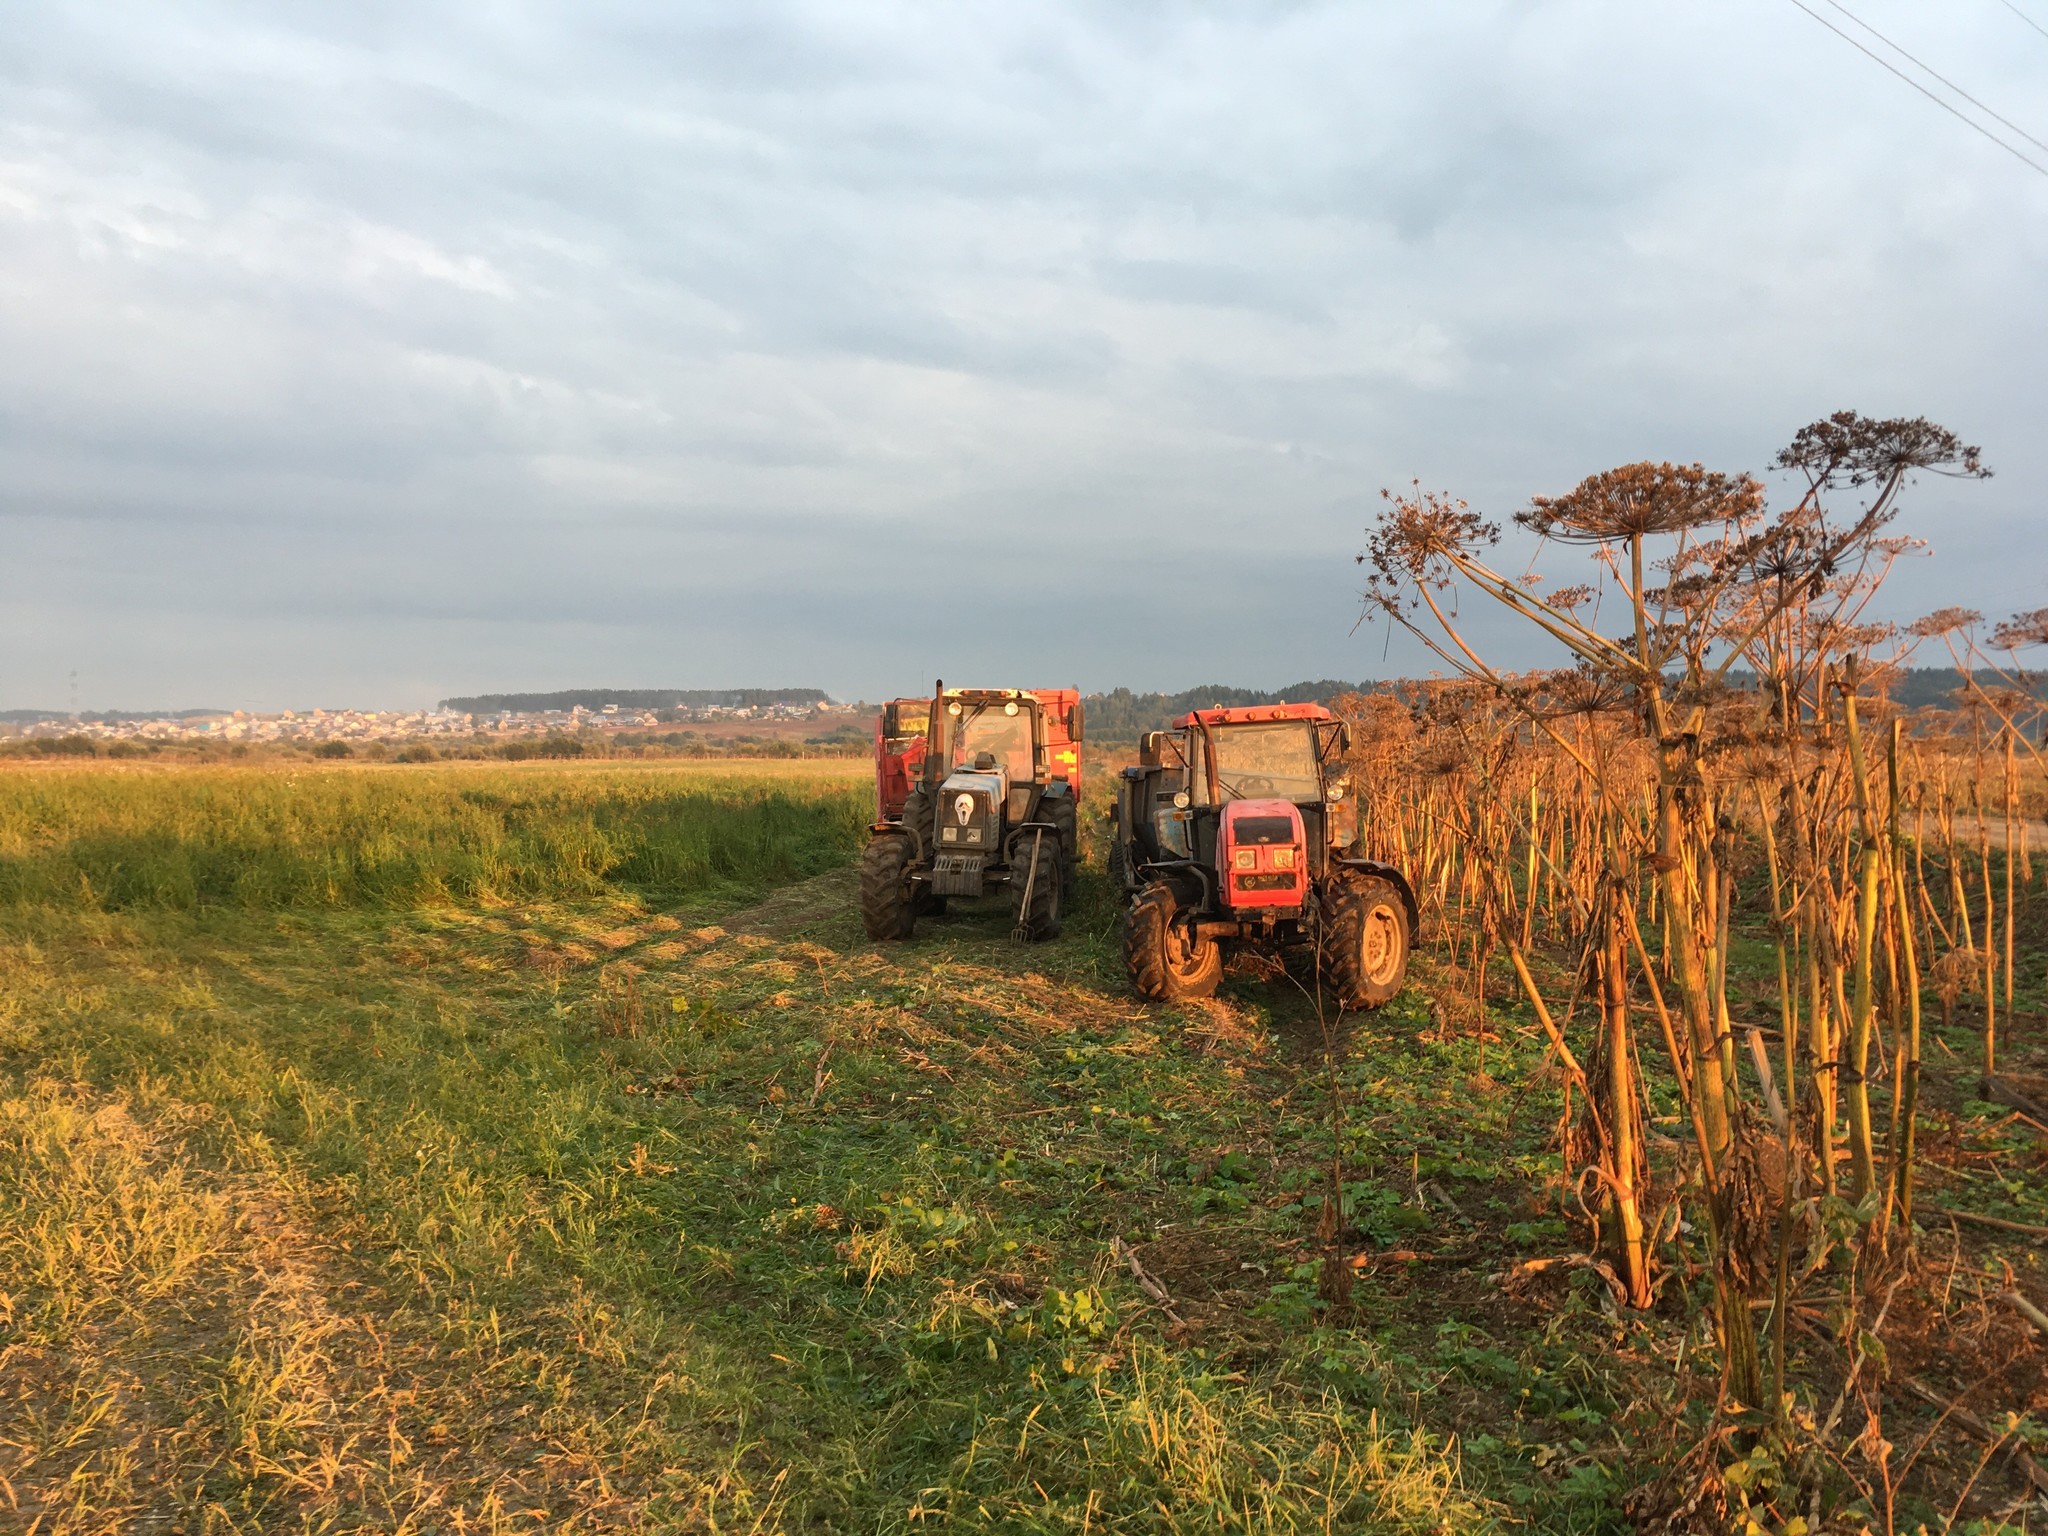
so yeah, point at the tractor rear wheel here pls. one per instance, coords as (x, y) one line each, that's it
(1365, 942)
(1061, 814)
(1038, 909)
(917, 822)
(1165, 959)
(917, 815)
(888, 901)
(1119, 863)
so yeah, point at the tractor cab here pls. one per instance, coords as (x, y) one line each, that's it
(988, 745)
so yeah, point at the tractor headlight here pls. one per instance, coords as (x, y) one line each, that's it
(1283, 858)
(1180, 800)
(1244, 858)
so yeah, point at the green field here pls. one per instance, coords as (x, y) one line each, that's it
(410, 837)
(468, 1149)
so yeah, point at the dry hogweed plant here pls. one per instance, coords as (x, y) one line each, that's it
(1721, 735)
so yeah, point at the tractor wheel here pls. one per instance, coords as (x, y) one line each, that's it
(917, 816)
(1038, 917)
(1061, 814)
(888, 902)
(917, 822)
(1119, 864)
(1365, 942)
(1165, 961)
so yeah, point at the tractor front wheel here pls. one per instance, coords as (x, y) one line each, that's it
(1038, 908)
(1365, 942)
(888, 901)
(1166, 960)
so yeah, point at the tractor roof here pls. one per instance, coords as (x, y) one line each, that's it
(1249, 714)
(1067, 696)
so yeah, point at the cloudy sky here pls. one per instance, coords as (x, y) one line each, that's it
(364, 354)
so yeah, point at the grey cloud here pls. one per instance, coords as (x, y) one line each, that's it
(406, 348)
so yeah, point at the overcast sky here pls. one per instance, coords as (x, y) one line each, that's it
(366, 354)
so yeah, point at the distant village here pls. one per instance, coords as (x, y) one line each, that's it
(314, 727)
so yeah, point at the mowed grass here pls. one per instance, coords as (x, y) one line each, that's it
(415, 836)
(659, 1207)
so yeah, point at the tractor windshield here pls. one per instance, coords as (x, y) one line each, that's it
(1274, 761)
(985, 728)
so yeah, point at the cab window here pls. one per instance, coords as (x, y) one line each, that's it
(986, 728)
(1264, 761)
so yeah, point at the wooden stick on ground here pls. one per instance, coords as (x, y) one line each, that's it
(1998, 1090)
(1985, 1221)
(1762, 1058)
(2029, 1468)
(1119, 1249)
(2026, 1309)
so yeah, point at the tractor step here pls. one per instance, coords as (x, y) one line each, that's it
(957, 874)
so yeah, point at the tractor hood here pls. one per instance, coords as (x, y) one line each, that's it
(970, 809)
(1262, 855)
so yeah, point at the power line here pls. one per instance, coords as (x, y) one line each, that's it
(2023, 16)
(1948, 107)
(1944, 79)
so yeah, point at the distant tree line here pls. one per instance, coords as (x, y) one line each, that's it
(1121, 715)
(632, 698)
(105, 716)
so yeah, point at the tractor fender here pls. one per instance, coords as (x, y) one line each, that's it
(1395, 878)
(1194, 884)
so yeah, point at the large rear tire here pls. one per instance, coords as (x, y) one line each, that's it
(1365, 942)
(888, 901)
(1038, 910)
(1062, 813)
(1119, 863)
(917, 815)
(1165, 961)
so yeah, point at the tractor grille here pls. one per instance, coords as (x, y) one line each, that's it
(957, 874)
(1272, 882)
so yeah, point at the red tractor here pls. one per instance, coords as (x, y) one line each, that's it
(990, 803)
(1229, 832)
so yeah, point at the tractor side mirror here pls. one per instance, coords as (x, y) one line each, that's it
(1148, 749)
(1074, 721)
(892, 723)
(1343, 738)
